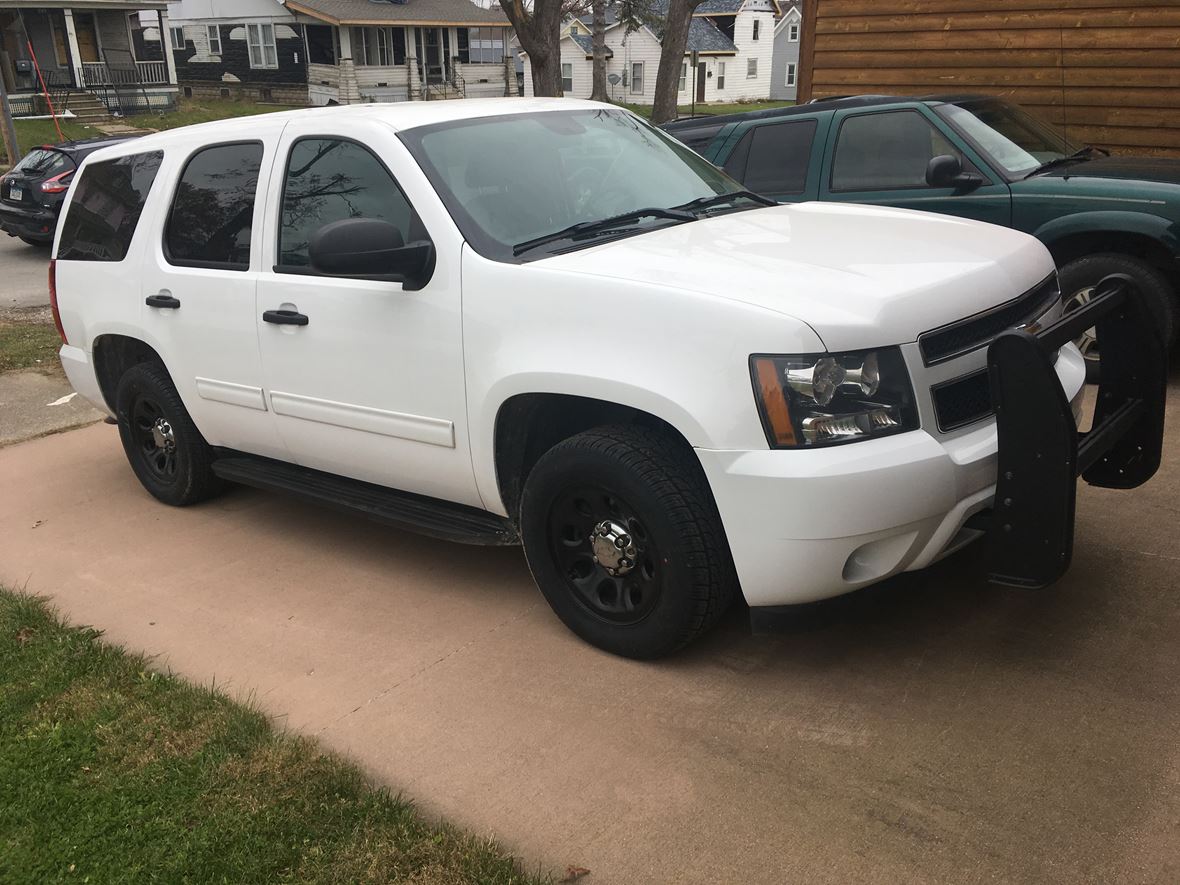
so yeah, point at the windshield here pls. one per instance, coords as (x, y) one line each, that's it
(1013, 139)
(42, 161)
(514, 179)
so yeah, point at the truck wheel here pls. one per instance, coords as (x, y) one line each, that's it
(624, 539)
(165, 449)
(1078, 279)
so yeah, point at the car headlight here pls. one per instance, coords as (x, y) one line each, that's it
(825, 399)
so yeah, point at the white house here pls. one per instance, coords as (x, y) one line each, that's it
(733, 41)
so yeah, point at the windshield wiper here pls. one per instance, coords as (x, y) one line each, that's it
(1076, 157)
(603, 225)
(721, 199)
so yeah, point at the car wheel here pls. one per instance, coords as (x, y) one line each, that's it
(624, 539)
(164, 447)
(1080, 277)
(40, 244)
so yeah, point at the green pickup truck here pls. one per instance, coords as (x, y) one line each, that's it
(975, 157)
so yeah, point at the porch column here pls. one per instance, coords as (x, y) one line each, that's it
(349, 89)
(415, 80)
(75, 52)
(166, 45)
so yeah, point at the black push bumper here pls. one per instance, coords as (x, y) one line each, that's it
(1041, 452)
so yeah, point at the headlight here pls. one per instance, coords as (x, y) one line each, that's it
(830, 398)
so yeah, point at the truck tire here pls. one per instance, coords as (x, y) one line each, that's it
(165, 449)
(1078, 279)
(623, 537)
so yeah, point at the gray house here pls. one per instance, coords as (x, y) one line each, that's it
(784, 65)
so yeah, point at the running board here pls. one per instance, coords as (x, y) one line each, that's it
(416, 513)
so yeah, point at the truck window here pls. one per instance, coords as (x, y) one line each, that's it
(329, 179)
(106, 206)
(213, 210)
(773, 159)
(886, 150)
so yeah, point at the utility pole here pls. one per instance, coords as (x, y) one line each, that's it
(7, 130)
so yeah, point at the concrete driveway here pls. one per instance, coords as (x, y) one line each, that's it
(25, 273)
(933, 729)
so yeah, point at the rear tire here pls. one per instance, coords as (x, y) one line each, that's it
(164, 447)
(638, 500)
(1078, 279)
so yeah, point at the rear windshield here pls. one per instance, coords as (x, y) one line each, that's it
(106, 208)
(46, 162)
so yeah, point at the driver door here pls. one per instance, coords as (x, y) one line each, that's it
(365, 379)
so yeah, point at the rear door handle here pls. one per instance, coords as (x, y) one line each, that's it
(285, 318)
(163, 300)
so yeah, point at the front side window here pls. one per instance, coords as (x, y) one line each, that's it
(330, 179)
(1010, 136)
(260, 40)
(886, 150)
(637, 78)
(106, 206)
(177, 38)
(567, 77)
(508, 180)
(213, 211)
(214, 34)
(773, 159)
(751, 68)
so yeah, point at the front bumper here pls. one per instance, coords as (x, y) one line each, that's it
(807, 525)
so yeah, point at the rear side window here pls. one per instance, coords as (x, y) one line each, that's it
(773, 159)
(105, 211)
(212, 213)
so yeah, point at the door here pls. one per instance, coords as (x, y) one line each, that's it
(880, 157)
(435, 63)
(778, 159)
(369, 384)
(702, 74)
(87, 32)
(198, 285)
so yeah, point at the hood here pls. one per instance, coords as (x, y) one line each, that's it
(860, 276)
(1129, 168)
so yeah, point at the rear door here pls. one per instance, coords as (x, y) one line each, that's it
(198, 288)
(779, 158)
(880, 157)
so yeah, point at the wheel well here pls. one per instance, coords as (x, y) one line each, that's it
(113, 356)
(1076, 246)
(529, 425)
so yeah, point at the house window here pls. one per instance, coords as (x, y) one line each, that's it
(321, 45)
(214, 34)
(379, 47)
(567, 77)
(261, 42)
(177, 38)
(720, 75)
(637, 78)
(683, 77)
(793, 33)
(481, 46)
(757, 28)
(751, 68)
(791, 73)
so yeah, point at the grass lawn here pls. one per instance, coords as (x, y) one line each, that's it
(644, 110)
(111, 771)
(28, 346)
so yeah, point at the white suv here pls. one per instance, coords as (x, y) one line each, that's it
(545, 322)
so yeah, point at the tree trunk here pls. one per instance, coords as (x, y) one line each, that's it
(598, 39)
(671, 58)
(539, 32)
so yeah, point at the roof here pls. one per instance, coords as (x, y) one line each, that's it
(586, 42)
(823, 104)
(704, 36)
(719, 7)
(85, 145)
(411, 12)
(612, 16)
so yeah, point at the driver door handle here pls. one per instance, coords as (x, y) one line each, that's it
(285, 318)
(164, 301)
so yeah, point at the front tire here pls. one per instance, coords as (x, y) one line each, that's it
(164, 447)
(1079, 278)
(625, 542)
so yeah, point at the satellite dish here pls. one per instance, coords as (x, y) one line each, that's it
(614, 79)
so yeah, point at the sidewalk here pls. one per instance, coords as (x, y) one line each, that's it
(34, 404)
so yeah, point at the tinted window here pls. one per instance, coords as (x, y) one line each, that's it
(44, 162)
(106, 208)
(332, 179)
(773, 159)
(889, 150)
(213, 210)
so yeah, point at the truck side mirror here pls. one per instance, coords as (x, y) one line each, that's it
(371, 249)
(946, 170)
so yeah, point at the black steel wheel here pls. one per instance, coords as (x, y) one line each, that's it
(163, 446)
(624, 540)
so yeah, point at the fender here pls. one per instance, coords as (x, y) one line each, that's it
(1144, 224)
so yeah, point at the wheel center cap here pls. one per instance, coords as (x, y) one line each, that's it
(163, 436)
(613, 548)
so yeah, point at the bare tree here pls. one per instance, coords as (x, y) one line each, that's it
(598, 45)
(672, 46)
(538, 28)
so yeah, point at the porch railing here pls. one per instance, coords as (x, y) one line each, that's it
(98, 73)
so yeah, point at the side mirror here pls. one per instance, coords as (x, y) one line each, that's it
(947, 171)
(371, 249)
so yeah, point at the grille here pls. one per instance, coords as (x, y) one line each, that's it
(959, 337)
(962, 401)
